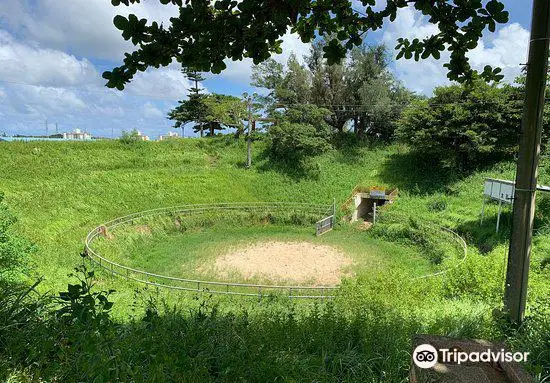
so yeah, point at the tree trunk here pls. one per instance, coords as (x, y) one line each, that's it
(362, 126)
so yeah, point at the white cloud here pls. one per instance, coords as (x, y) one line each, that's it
(422, 76)
(84, 27)
(163, 83)
(506, 49)
(240, 71)
(292, 44)
(32, 65)
(39, 101)
(151, 111)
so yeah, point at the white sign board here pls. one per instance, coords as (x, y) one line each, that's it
(500, 190)
(377, 192)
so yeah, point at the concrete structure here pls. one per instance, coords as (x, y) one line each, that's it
(169, 136)
(77, 134)
(365, 200)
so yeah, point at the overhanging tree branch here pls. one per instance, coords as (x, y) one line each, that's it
(208, 32)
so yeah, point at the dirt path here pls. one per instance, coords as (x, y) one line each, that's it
(291, 262)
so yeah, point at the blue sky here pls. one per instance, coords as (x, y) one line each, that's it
(52, 54)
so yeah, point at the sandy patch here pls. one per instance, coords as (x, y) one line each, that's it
(295, 262)
(143, 229)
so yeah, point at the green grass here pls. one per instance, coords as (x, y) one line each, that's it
(61, 190)
(180, 254)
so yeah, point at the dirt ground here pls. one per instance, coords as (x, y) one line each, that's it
(290, 262)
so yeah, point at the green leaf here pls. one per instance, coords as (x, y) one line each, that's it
(494, 7)
(342, 35)
(218, 67)
(120, 22)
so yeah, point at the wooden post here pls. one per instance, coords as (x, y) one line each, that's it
(517, 272)
(249, 135)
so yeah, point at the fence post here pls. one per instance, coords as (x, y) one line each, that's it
(483, 209)
(499, 211)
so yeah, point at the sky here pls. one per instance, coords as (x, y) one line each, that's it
(53, 52)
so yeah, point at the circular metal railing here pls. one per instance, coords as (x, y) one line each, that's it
(232, 288)
(215, 287)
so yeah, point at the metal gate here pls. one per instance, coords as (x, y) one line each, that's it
(327, 223)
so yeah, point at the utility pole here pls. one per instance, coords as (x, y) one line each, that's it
(517, 273)
(56, 130)
(46, 128)
(249, 135)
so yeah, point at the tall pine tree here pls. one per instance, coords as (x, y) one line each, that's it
(193, 109)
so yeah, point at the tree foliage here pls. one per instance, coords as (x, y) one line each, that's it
(300, 132)
(361, 90)
(193, 109)
(211, 112)
(208, 32)
(463, 124)
(130, 137)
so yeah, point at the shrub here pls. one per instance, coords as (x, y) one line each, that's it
(432, 245)
(462, 124)
(300, 133)
(14, 250)
(437, 205)
(130, 138)
(294, 142)
(478, 278)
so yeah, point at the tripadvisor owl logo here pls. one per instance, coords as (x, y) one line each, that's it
(425, 356)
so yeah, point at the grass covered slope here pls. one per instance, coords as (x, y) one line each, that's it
(61, 190)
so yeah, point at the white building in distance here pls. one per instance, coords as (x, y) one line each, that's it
(142, 137)
(77, 134)
(169, 136)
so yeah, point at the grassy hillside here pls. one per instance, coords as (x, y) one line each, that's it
(60, 190)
